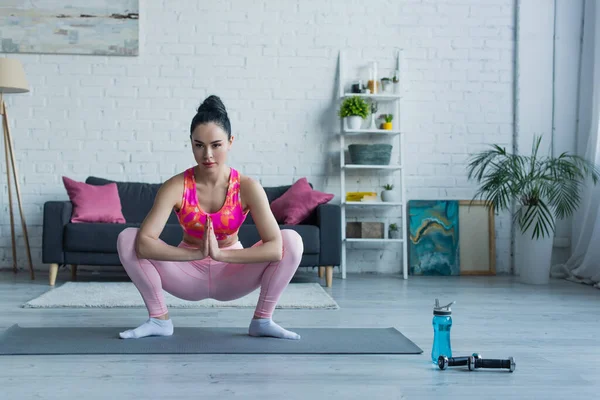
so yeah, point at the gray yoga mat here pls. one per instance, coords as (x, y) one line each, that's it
(17, 340)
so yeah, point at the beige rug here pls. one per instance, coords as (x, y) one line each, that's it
(126, 295)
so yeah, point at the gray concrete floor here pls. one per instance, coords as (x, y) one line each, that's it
(553, 332)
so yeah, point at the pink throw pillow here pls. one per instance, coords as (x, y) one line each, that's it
(298, 202)
(93, 203)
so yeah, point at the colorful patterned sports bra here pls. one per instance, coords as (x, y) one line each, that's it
(226, 221)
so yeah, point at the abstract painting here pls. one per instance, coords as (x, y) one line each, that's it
(434, 237)
(93, 27)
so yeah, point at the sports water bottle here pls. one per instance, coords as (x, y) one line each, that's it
(442, 322)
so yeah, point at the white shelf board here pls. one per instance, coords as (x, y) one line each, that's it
(372, 203)
(362, 240)
(364, 166)
(378, 96)
(352, 132)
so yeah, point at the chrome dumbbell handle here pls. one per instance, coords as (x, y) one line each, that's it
(475, 363)
(445, 362)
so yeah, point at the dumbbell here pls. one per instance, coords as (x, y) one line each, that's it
(445, 362)
(475, 363)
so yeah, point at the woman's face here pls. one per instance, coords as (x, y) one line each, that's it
(210, 146)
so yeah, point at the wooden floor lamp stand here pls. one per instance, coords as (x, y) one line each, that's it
(10, 155)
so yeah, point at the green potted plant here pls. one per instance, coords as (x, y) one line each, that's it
(354, 109)
(388, 194)
(545, 189)
(393, 232)
(387, 125)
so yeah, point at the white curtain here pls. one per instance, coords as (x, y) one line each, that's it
(584, 263)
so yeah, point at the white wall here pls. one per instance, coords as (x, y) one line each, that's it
(274, 65)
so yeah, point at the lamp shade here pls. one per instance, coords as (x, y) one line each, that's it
(12, 76)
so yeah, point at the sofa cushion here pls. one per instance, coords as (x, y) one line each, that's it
(249, 236)
(137, 198)
(94, 203)
(102, 238)
(274, 192)
(298, 203)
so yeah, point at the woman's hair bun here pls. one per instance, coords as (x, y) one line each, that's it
(213, 103)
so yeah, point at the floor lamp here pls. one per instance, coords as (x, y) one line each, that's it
(12, 80)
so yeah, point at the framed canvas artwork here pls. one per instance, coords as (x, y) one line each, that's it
(433, 237)
(477, 238)
(92, 27)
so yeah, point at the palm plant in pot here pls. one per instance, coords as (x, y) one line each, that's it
(354, 109)
(545, 189)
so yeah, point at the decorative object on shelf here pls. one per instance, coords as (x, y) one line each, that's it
(477, 239)
(357, 87)
(13, 80)
(396, 81)
(354, 109)
(434, 237)
(374, 108)
(103, 28)
(387, 125)
(545, 189)
(389, 194)
(369, 198)
(393, 231)
(358, 196)
(373, 83)
(364, 230)
(386, 85)
(370, 154)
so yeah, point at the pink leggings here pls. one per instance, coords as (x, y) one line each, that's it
(206, 278)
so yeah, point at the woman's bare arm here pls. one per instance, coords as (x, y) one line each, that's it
(147, 243)
(271, 248)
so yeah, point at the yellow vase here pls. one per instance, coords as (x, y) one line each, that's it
(387, 126)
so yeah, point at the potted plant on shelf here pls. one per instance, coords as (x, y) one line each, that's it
(544, 188)
(394, 232)
(354, 109)
(388, 194)
(387, 125)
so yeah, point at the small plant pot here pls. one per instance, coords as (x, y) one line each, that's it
(394, 234)
(390, 196)
(386, 126)
(354, 122)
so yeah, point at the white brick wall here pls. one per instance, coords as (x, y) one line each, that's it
(274, 64)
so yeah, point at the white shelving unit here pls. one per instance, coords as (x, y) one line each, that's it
(398, 137)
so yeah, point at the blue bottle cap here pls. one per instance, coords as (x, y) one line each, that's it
(443, 310)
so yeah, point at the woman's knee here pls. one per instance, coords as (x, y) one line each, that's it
(292, 243)
(126, 242)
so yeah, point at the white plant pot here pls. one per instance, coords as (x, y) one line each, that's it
(533, 257)
(354, 122)
(390, 196)
(394, 234)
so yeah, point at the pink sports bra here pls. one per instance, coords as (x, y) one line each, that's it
(226, 221)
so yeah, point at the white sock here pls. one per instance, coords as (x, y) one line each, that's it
(152, 327)
(266, 327)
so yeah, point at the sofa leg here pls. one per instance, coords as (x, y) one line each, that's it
(73, 272)
(321, 272)
(329, 278)
(53, 272)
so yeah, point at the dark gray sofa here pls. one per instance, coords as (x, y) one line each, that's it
(95, 244)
